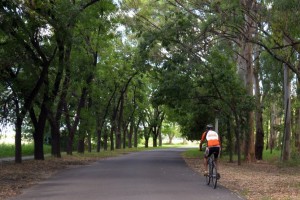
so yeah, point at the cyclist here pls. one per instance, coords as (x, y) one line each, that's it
(213, 146)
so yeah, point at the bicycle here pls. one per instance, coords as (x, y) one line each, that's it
(212, 172)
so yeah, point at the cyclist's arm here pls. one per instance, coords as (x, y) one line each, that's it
(201, 141)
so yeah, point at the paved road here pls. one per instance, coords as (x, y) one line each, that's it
(149, 175)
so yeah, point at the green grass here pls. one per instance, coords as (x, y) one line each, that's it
(193, 153)
(273, 157)
(8, 150)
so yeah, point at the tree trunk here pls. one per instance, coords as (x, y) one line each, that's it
(80, 147)
(147, 133)
(229, 139)
(120, 121)
(54, 119)
(297, 131)
(89, 141)
(135, 139)
(105, 142)
(131, 129)
(70, 142)
(259, 142)
(118, 138)
(81, 104)
(245, 70)
(99, 130)
(112, 147)
(171, 138)
(124, 136)
(297, 123)
(146, 142)
(18, 136)
(267, 134)
(237, 131)
(160, 136)
(273, 124)
(38, 134)
(81, 136)
(287, 122)
(154, 137)
(55, 141)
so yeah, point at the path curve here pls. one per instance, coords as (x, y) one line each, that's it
(149, 175)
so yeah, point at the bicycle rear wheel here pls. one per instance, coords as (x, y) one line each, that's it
(214, 178)
(208, 176)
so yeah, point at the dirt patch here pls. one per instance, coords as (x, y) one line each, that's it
(257, 181)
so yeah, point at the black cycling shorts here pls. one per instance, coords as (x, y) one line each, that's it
(212, 150)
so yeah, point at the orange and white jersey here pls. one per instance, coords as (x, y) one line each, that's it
(212, 138)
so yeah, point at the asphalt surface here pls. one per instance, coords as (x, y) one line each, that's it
(149, 175)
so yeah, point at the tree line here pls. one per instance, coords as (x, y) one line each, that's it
(108, 73)
(67, 74)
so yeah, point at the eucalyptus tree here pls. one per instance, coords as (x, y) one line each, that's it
(249, 23)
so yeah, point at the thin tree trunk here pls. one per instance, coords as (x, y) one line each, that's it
(112, 147)
(272, 127)
(297, 131)
(98, 133)
(136, 129)
(125, 135)
(105, 142)
(229, 137)
(297, 126)
(267, 134)
(81, 137)
(237, 135)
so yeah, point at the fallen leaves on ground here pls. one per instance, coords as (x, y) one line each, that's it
(257, 181)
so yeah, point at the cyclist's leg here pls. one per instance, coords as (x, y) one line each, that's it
(216, 155)
(206, 154)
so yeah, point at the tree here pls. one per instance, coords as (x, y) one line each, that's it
(25, 28)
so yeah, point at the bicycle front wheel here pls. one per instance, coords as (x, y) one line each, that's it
(214, 177)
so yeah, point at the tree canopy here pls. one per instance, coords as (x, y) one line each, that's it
(112, 74)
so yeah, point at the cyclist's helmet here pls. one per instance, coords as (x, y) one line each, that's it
(209, 127)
